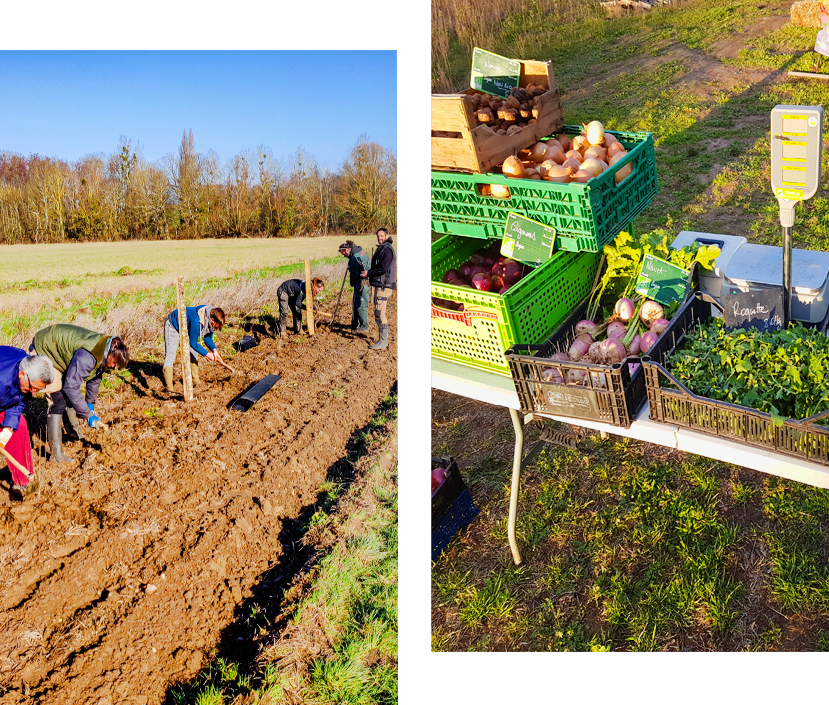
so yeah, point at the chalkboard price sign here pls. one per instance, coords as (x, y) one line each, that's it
(527, 240)
(758, 307)
(494, 74)
(661, 281)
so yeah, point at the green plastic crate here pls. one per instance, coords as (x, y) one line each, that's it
(585, 216)
(492, 323)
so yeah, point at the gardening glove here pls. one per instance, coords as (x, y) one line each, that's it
(5, 434)
(95, 422)
(91, 407)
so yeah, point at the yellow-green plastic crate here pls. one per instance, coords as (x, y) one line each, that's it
(492, 323)
(586, 216)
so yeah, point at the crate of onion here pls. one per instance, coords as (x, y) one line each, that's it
(482, 303)
(588, 370)
(474, 132)
(587, 202)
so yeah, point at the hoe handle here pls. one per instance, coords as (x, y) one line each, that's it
(15, 463)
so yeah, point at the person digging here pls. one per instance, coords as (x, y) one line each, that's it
(21, 376)
(358, 261)
(81, 356)
(202, 322)
(291, 295)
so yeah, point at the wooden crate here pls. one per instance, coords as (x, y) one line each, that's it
(477, 148)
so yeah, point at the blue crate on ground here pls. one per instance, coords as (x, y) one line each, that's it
(457, 516)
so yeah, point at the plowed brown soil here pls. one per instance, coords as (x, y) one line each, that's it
(118, 578)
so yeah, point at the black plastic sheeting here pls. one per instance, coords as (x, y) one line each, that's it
(253, 394)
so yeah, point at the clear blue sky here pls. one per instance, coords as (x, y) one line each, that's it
(68, 104)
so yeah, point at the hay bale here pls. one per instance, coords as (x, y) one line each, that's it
(806, 13)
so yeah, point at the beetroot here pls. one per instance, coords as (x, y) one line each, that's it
(482, 281)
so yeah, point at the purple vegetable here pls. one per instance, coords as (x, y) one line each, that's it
(586, 338)
(615, 329)
(612, 351)
(585, 326)
(593, 352)
(576, 376)
(624, 309)
(647, 341)
(633, 348)
(659, 326)
(578, 349)
(551, 374)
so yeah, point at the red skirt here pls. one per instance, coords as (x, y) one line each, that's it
(19, 447)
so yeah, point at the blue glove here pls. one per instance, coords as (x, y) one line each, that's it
(92, 419)
(91, 407)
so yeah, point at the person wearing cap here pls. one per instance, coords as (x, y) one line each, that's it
(291, 294)
(358, 261)
(202, 321)
(21, 376)
(383, 279)
(81, 356)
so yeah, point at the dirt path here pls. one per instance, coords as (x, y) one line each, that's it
(118, 579)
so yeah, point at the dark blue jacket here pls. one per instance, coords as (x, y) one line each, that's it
(195, 328)
(12, 400)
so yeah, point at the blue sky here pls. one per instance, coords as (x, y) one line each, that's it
(67, 104)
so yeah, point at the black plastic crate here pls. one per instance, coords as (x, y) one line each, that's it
(681, 407)
(614, 395)
(445, 495)
(458, 515)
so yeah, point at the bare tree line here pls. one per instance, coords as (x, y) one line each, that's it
(193, 195)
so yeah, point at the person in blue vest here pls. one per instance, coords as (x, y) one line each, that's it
(21, 376)
(81, 356)
(202, 321)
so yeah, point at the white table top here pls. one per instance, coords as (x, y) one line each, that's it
(500, 391)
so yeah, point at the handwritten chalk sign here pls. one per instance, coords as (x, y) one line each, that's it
(661, 281)
(494, 74)
(527, 241)
(759, 307)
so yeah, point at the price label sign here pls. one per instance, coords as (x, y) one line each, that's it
(527, 241)
(662, 281)
(753, 307)
(493, 74)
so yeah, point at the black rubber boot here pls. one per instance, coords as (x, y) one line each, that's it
(383, 341)
(54, 436)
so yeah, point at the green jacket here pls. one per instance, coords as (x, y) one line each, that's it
(60, 341)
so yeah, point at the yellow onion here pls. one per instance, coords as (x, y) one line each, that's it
(564, 141)
(538, 152)
(545, 166)
(513, 167)
(555, 152)
(594, 166)
(574, 154)
(574, 164)
(530, 173)
(581, 176)
(625, 171)
(610, 139)
(595, 132)
(615, 148)
(579, 142)
(595, 152)
(559, 174)
(499, 190)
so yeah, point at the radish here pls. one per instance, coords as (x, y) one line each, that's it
(647, 341)
(585, 326)
(624, 309)
(615, 329)
(650, 312)
(659, 326)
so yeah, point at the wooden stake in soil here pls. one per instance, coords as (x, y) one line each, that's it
(309, 297)
(185, 341)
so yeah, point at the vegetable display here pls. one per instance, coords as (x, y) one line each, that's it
(507, 115)
(784, 373)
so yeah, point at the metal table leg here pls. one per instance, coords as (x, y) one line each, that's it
(516, 483)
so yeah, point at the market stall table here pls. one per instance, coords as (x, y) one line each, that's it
(500, 391)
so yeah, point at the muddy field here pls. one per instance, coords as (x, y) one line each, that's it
(119, 577)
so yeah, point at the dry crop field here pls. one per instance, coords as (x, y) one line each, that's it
(121, 575)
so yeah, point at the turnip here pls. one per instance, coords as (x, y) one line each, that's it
(633, 348)
(576, 376)
(587, 338)
(585, 326)
(624, 309)
(647, 341)
(659, 326)
(578, 349)
(598, 379)
(551, 374)
(615, 329)
(650, 312)
(612, 351)
(594, 354)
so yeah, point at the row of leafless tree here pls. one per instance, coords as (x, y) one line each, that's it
(193, 195)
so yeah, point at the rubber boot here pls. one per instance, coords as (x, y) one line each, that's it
(75, 425)
(194, 373)
(383, 341)
(54, 436)
(168, 378)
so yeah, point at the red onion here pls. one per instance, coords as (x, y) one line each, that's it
(450, 275)
(482, 281)
(466, 270)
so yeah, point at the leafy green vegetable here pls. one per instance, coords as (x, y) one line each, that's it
(780, 372)
(624, 262)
